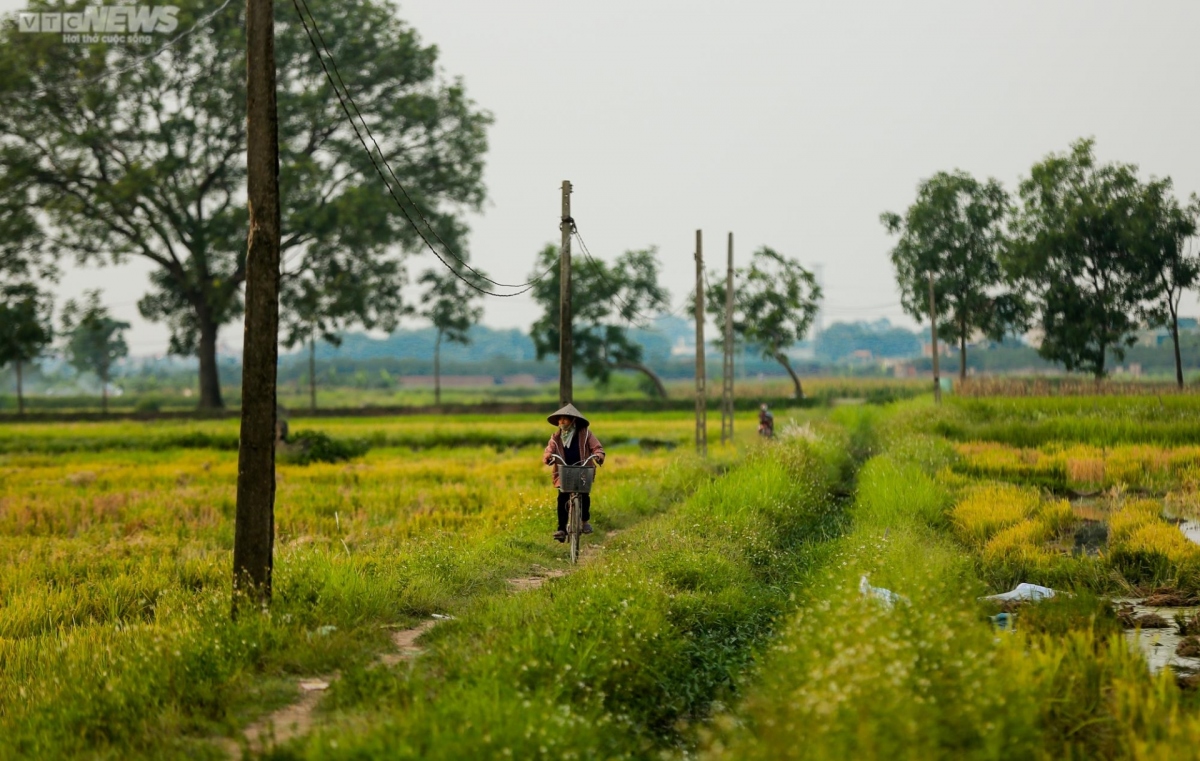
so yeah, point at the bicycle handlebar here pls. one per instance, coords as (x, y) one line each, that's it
(582, 464)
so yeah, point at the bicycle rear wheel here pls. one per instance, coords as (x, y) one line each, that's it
(574, 525)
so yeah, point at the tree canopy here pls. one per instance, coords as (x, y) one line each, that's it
(954, 231)
(149, 161)
(452, 306)
(607, 301)
(775, 300)
(1079, 250)
(1164, 233)
(25, 327)
(94, 340)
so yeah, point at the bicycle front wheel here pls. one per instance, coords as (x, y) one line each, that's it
(574, 526)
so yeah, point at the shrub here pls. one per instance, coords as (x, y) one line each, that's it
(307, 447)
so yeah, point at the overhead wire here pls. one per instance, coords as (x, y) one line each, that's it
(202, 22)
(524, 287)
(600, 272)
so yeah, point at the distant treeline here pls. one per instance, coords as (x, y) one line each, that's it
(1018, 358)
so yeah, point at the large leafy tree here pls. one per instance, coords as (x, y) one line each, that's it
(23, 248)
(149, 161)
(775, 300)
(452, 306)
(94, 340)
(353, 290)
(607, 300)
(954, 231)
(1163, 232)
(25, 332)
(1077, 251)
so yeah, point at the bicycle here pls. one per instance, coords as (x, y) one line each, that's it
(575, 480)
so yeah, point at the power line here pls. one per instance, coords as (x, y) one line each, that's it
(200, 24)
(600, 272)
(525, 287)
(677, 311)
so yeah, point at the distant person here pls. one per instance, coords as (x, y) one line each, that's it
(766, 422)
(281, 426)
(574, 442)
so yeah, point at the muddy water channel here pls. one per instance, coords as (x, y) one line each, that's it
(1190, 529)
(1153, 628)
(1159, 645)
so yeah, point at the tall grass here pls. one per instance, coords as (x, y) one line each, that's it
(613, 660)
(929, 677)
(114, 566)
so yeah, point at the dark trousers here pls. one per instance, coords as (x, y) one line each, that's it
(563, 498)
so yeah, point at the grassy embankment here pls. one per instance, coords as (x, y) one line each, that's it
(296, 398)
(616, 659)
(931, 678)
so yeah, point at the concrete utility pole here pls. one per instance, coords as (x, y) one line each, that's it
(254, 526)
(727, 377)
(937, 380)
(701, 401)
(565, 346)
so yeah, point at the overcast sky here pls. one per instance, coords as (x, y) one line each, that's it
(791, 124)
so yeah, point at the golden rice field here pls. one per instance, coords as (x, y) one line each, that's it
(115, 542)
(723, 610)
(1085, 467)
(1015, 510)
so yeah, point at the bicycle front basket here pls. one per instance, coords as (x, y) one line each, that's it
(575, 479)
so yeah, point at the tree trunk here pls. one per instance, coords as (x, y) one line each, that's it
(312, 373)
(20, 393)
(1175, 339)
(782, 359)
(210, 379)
(437, 370)
(104, 392)
(962, 354)
(1100, 366)
(659, 388)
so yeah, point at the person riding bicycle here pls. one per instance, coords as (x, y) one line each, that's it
(766, 422)
(574, 442)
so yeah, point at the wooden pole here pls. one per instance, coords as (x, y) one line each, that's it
(727, 390)
(933, 344)
(701, 401)
(254, 527)
(312, 372)
(566, 348)
(437, 370)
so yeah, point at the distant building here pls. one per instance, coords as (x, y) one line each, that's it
(1161, 335)
(682, 348)
(803, 351)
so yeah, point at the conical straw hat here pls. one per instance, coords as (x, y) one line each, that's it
(568, 410)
